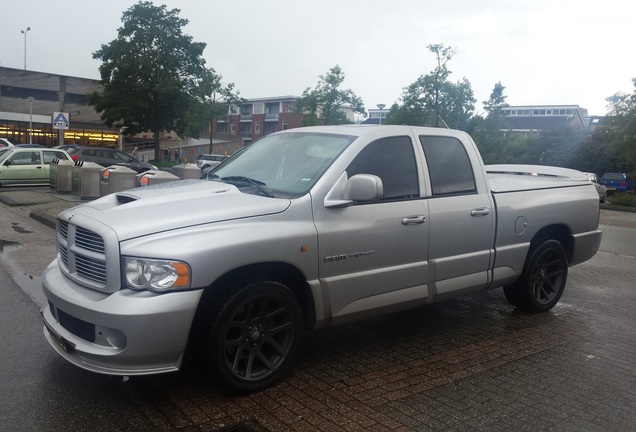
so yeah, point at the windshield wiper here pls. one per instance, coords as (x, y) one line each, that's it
(256, 183)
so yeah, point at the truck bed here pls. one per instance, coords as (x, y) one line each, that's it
(514, 178)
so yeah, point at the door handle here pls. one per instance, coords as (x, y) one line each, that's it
(484, 211)
(413, 220)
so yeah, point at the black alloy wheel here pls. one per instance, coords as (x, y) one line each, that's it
(256, 336)
(543, 280)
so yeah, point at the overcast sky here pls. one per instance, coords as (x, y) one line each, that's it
(543, 51)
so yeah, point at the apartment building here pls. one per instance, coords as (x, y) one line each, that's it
(258, 117)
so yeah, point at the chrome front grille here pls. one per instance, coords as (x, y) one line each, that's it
(89, 240)
(83, 256)
(63, 227)
(90, 268)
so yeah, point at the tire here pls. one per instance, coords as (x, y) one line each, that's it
(255, 336)
(543, 279)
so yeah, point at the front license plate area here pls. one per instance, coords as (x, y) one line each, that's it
(59, 340)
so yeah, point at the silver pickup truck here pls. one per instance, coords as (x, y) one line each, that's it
(305, 228)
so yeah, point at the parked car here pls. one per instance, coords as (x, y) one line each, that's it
(30, 146)
(67, 146)
(598, 184)
(205, 161)
(107, 157)
(615, 182)
(27, 166)
(5, 143)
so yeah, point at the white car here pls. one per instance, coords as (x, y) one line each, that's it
(5, 143)
(598, 184)
(209, 160)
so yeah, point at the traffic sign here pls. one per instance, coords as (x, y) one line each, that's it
(61, 121)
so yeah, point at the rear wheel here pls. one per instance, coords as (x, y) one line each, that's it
(542, 282)
(255, 336)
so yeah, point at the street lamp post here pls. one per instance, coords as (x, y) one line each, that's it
(30, 120)
(24, 32)
(380, 107)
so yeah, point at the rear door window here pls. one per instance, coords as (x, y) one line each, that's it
(448, 165)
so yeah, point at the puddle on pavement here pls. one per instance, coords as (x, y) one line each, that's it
(17, 228)
(31, 285)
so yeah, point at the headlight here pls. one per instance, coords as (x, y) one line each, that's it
(156, 275)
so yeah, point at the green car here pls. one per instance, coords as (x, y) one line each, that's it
(21, 166)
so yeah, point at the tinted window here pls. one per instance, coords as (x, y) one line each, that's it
(393, 160)
(120, 156)
(448, 165)
(49, 155)
(25, 158)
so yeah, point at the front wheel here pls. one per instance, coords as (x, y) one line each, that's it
(542, 282)
(255, 336)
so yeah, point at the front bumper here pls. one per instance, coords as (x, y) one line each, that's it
(124, 333)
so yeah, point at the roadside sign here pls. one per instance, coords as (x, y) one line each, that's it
(61, 121)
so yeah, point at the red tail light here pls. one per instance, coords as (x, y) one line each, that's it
(623, 184)
(75, 157)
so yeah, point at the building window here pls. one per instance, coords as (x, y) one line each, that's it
(233, 129)
(257, 129)
(284, 126)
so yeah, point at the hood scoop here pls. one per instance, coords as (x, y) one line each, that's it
(125, 199)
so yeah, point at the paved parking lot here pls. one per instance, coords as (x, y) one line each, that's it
(468, 364)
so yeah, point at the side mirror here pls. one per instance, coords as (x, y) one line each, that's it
(364, 187)
(359, 188)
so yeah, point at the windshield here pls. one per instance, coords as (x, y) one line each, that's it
(287, 164)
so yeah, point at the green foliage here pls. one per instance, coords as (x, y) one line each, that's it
(154, 76)
(433, 100)
(322, 105)
(623, 130)
(623, 199)
(496, 102)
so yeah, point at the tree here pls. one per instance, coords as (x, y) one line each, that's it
(490, 133)
(622, 111)
(323, 104)
(433, 100)
(154, 77)
(496, 102)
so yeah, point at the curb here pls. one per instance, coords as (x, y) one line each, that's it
(43, 217)
(618, 208)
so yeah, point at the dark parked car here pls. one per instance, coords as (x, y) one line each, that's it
(30, 145)
(67, 146)
(107, 157)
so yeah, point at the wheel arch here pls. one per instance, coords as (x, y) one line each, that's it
(281, 272)
(558, 232)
